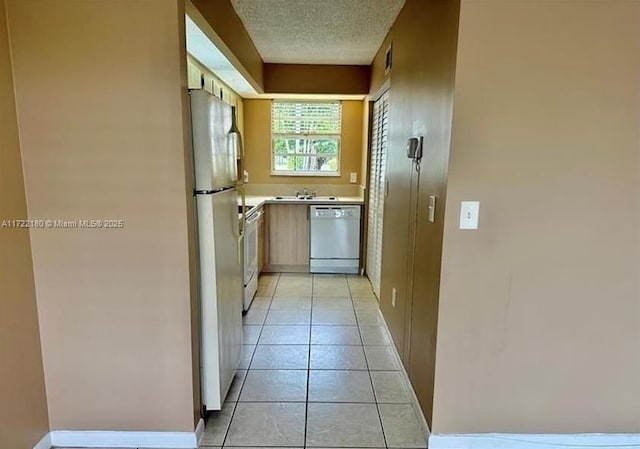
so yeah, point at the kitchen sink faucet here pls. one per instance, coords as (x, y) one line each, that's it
(305, 192)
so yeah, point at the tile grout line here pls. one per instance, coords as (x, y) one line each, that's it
(306, 404)
(233, 413)
(384, 436)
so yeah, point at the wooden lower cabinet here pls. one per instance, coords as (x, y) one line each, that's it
(287, 234)
(262, 238)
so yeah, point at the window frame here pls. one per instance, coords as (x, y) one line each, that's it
(306, 137)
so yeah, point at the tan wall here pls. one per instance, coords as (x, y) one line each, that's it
(420, 102)
(539, 326)
(378, 75)
(257, 122)
(23, 413)
(101, 118)
(317, 79)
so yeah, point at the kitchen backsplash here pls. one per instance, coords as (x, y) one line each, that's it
(290, 189)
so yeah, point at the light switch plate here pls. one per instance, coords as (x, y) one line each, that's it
(469, 214)
(353, 178)
(431, 209)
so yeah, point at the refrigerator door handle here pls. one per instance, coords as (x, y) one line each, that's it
(243, 223)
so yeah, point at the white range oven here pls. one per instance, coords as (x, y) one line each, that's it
(251, 257)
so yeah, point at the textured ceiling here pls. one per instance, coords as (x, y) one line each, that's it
(318, 31)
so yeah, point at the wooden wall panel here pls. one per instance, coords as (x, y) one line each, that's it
(420, 97)
(317, 79)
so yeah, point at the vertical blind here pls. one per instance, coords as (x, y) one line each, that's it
(377, 184)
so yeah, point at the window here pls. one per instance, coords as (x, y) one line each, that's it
(305, 138)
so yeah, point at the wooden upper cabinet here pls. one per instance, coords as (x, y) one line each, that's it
(288, 232)
(193, 76)
(197, 73)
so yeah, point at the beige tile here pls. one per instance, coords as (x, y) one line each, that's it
(236, 386)
(267, 424)
(344, 425)
(362, 292)
(364, 299)
(288, 317)
(250, 334)
(255, 316)
(288, 276)
(294, 290)
(216, 425)
(266, 291)
(281, 357)
(329, 277)
(343, 317)
(285, 335)
(261, 301)
(365, 303)
(369, 317)
(337, 357)
(390, 387)
(328, 303)
(370, 304)
(268, 279)
(245, 357)
(374, 335)
(295, 280)
(335, 335)
(329, 282)
(294, 285)
(359, 284)
(340, 386)
(381, 358)
(401, 426)
(275, 386)
(291, 303)
(331, 290)
(267, 447)
(358, 280)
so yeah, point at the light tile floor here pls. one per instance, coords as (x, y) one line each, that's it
(317, 371)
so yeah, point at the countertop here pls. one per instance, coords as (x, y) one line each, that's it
(255, 201)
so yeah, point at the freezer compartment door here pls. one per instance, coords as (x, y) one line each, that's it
(213, 155)
(221, 293)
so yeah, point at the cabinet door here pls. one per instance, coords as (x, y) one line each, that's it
(288, 237)
(378, 167)
(194, 80)
(261, 239)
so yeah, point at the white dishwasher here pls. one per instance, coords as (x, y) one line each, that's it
(335, 239)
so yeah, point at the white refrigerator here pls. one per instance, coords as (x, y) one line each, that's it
(219, 245)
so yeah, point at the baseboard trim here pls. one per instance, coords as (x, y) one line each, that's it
(199, 431)
(117, 439)
(534, 441)
(44, 443)
(414, 398)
